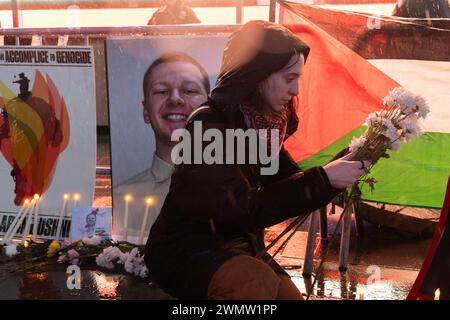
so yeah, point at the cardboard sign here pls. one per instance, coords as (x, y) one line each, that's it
(47, 128)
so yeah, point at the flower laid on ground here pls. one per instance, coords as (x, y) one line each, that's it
(53, 248)
(65, 243)
(135, 264)
(109, 255)
(74, 256)
(90, 252)
(11, 250)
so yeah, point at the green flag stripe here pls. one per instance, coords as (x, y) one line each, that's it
(416, 175)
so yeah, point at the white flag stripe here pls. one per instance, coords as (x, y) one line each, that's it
(431, 79)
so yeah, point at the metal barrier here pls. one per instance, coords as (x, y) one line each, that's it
(101, 4)
(16, 6)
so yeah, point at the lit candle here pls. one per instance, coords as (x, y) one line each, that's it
(28, 218)
(125, 224)
(76, 200)
(62, 213)
(11, 226)
(150, 201)
(361, 295)
(36, 216)
(20, 220)
(437, 294)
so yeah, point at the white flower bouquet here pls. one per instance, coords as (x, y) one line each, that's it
(388, 128)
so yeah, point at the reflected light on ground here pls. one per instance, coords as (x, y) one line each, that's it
(345, 287)
(106, 286)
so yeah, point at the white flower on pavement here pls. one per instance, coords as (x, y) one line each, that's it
(110, 254)
(135, 264)
(11, 250)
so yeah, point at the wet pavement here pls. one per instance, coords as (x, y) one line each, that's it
(50, 283)
(383, 263)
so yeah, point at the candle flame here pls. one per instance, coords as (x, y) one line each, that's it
(27, 201)
(76, 196)
(66, 196)
(437, 294)
(36, 196)
(25, 244)
(128, 198)
(150, 201)
(360, 294)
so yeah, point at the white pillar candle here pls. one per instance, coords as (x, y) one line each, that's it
(11, 226)
(361, 295)
(62, 213)
(125, 223)
(36, 216)
(28, 217)
(76, 200)
(19, 222)
(150, 201)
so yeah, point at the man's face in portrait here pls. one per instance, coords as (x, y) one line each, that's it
(174, 90)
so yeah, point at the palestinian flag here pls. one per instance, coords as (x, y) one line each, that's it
(340, 87)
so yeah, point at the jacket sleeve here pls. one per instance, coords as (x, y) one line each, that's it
(221, 192)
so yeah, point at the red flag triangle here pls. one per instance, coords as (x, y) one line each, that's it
(338, 89)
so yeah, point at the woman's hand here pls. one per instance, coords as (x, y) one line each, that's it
(343, 173)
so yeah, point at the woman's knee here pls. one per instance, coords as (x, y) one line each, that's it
(244, 278)
(287, 289)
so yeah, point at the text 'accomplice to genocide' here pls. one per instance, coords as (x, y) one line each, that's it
(46, 56)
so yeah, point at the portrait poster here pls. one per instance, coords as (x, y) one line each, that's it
(133, 140)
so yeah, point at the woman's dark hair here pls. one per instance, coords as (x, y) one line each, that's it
(252, 54)
(170, 57)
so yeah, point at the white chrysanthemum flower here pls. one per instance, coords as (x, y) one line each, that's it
(411, 125)
(110, 254)
(389, 101)
(357, 143)
(391, 133)
(422, 104)
(372, 119)
(407, 101)
(135, 264)
(401, 97)
(11, 250)
(378, 117)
